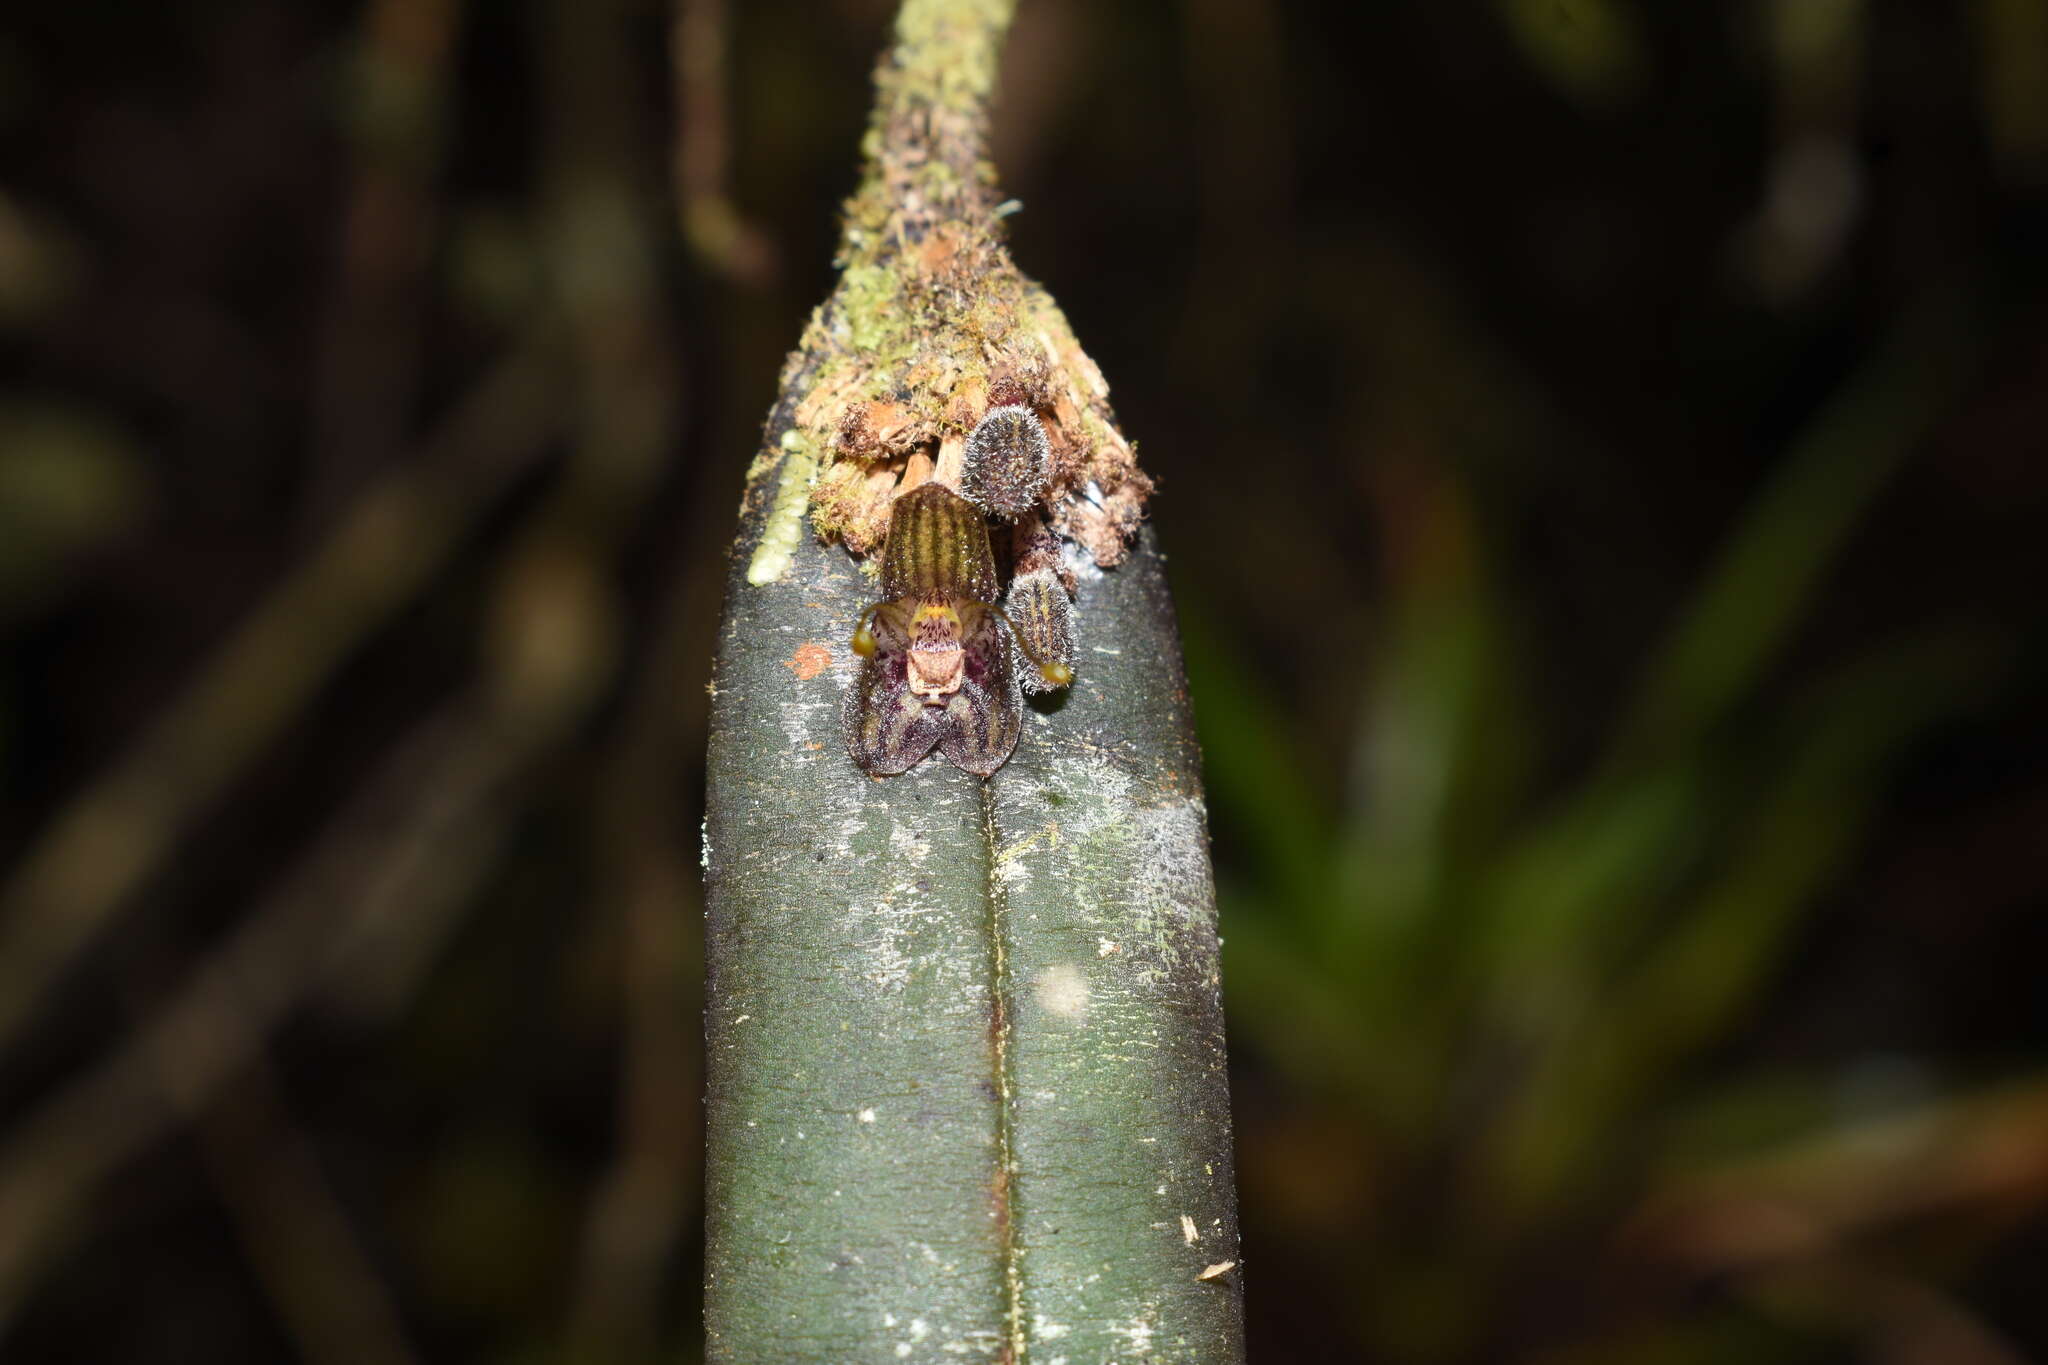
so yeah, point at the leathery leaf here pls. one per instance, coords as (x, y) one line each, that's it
(966, 1063)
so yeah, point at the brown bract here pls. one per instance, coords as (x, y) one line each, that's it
(931, 324)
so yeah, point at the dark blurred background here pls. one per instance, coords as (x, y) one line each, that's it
(1603, 451)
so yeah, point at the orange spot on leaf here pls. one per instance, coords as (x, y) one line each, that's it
(810, 659)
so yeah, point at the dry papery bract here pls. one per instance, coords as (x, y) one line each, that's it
(925, 334)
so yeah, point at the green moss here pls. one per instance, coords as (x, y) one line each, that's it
(930, 309)
(947, 50)
(785, 525)
(871, 301)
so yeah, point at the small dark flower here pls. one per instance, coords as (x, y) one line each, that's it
(937, 668)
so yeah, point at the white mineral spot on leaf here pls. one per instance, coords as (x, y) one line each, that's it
(1079, 563)
(1140, 1333)
(1217, 1271)
(1187, 1230)
(1062, 991)
(867, 1116)
(1105, 946)
(796, 725)
(1010, 864)
(1048, 1331)
(904, 843)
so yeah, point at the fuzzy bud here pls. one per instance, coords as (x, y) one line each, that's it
(1043, 620)
(1008, 461)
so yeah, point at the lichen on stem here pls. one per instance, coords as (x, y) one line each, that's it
(932, 322)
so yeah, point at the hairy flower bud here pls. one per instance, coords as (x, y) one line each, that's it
(1043, 618)
(1008, 461)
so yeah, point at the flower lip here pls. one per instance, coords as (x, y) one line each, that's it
(935, 671)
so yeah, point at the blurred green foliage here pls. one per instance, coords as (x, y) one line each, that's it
(1518, 981)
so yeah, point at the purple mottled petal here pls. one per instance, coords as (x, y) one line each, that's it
(887, 729)
(986, 715)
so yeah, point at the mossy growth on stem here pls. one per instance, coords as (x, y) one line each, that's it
(932, 323)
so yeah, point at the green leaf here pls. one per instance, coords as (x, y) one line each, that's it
(966, 1068)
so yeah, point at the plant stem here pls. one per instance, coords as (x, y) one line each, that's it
(966, 1079)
